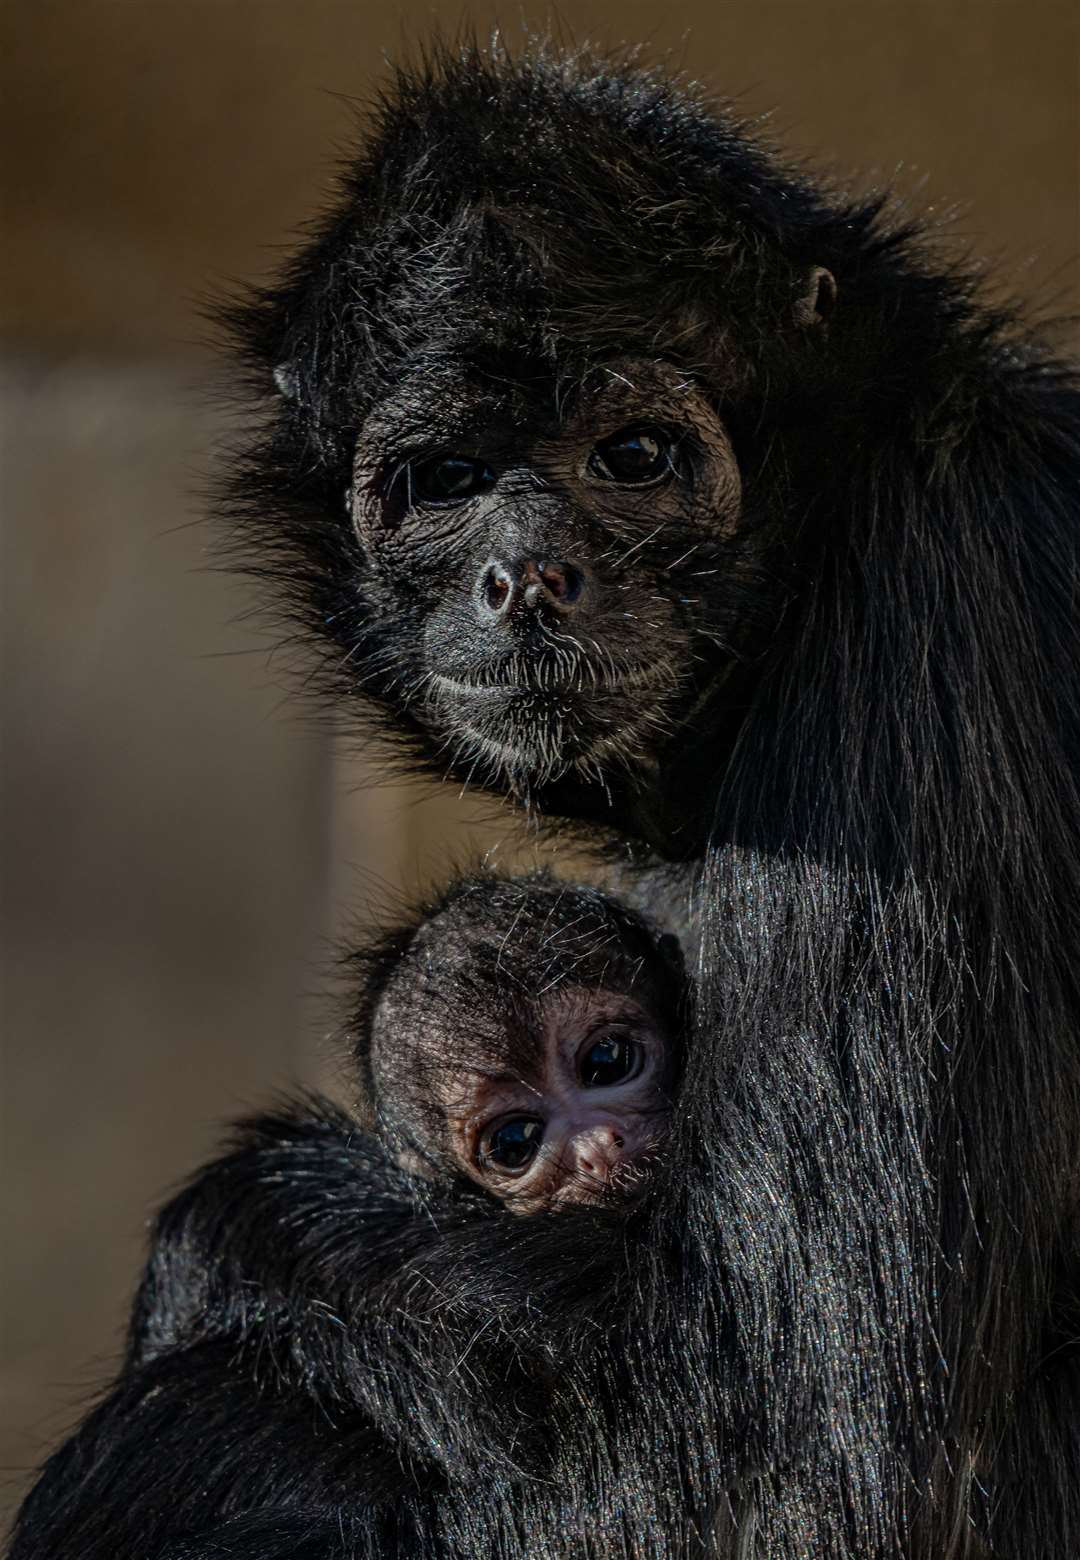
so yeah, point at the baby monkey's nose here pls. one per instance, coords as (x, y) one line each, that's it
(599, 1150)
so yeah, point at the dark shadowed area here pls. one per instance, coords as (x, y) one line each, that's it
(180, 843)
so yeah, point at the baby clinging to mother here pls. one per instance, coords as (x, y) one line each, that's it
(624, 471)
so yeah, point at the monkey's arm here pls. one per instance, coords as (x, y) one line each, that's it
(301, 1342)
(308, 1535)
(183, 1446)
(302, 1210)
(245, 1393)
(338, 1276)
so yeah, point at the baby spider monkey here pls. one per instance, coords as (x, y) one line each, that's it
(525, 1035)
(311, 1294)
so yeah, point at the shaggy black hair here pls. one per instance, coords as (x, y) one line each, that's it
(527, 219)
(845, 1324)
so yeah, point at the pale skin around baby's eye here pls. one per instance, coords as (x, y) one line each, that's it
(597, 1108)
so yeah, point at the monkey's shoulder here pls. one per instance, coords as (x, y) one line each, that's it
(302, 1207)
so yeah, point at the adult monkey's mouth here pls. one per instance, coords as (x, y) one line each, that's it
(531, 724)
(551, 676)
(579, 741)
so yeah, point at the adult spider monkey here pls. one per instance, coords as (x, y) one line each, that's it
(626, 471)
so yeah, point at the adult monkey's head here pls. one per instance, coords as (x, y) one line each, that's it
(546, 385)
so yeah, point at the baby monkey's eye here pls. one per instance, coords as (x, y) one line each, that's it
(610, 1059)
(513, 1145)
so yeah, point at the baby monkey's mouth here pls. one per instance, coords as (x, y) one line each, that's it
(619, 1191)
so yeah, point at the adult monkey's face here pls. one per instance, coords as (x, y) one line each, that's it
(568, 378)
(559, 568)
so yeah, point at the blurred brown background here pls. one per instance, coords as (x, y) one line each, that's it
(180, 844)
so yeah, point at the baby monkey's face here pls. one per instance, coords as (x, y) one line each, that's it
(581, 1123)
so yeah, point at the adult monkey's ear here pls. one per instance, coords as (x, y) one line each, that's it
(817, 298)
(670, 950)
(287, 381)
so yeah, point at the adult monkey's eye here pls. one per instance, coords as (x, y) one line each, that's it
(448, 479)
(633, 455)
(513, 1145)
(610, 1059)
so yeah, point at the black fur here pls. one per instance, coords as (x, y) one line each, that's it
(318, 1332)
(846, 1323)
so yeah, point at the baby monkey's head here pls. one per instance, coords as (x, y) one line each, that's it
(524, 1033)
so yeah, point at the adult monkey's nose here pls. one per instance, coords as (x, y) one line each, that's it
(529, 583)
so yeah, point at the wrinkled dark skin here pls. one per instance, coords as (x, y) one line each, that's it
(525, 681)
